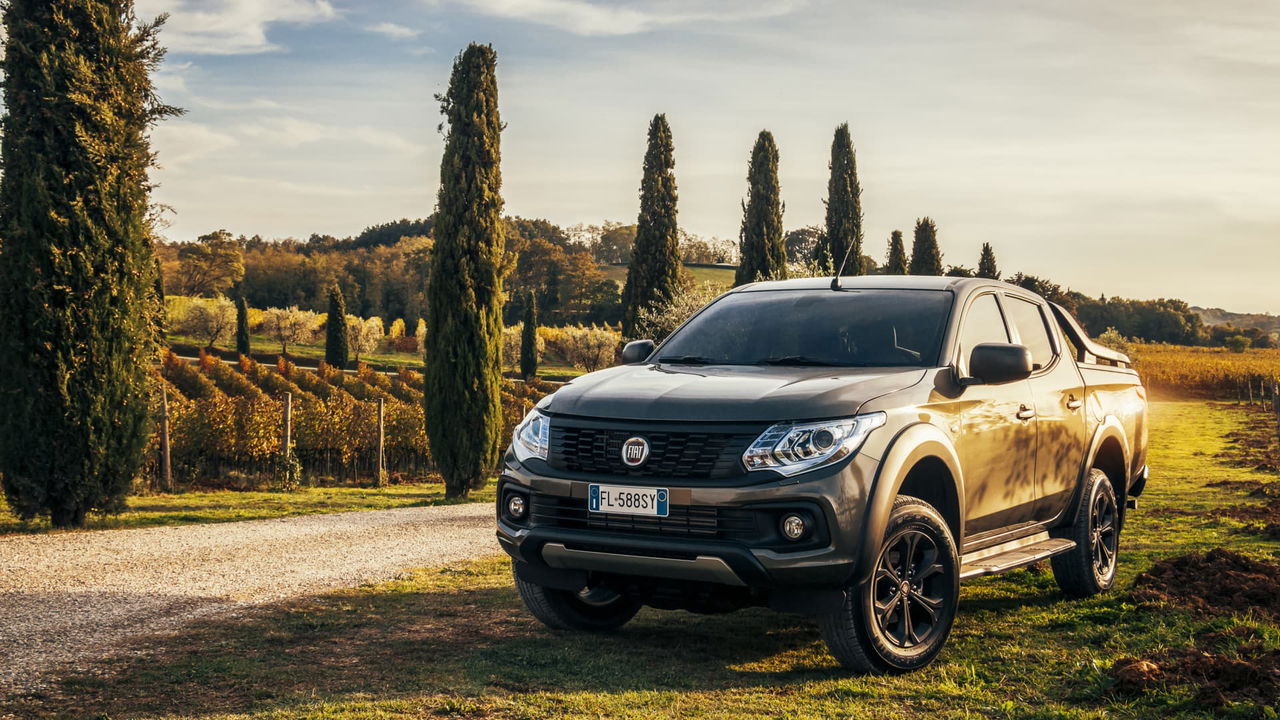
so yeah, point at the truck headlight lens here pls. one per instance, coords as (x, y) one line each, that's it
(792, 448)
(532, 436)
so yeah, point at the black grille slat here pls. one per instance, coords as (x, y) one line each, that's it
(676, 454)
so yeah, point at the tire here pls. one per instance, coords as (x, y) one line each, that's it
(589, 609)
(890, 641)
(1090, 568)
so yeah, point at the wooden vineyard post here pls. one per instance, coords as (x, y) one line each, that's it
(1275, 404)
(382, 437)
(166, 470)
(287, 440)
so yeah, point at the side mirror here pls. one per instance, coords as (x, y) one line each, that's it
(636, 351)
(994, 363)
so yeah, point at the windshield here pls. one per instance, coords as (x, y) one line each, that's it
(850, 328)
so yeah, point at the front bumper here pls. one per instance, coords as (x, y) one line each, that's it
(587, 543)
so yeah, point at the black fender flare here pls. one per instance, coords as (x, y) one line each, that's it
(916, 442)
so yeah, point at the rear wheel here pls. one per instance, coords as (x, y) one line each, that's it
(900, 618)
(592, 609)
(1090, 568)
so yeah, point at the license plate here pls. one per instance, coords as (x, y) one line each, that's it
(627, 500)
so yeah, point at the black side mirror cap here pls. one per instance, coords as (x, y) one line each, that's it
(995, 363)
(636, 351)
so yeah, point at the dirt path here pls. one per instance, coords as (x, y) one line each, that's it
(68, 597)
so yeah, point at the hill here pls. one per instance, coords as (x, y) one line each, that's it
(1217, 316)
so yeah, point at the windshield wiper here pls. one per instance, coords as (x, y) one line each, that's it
(686, 360)
(795, 360)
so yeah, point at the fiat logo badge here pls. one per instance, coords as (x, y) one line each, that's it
(635, 451)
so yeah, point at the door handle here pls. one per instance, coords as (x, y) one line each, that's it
(1026, 413)
(1073, 403)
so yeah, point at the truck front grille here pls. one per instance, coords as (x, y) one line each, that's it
(672, 453)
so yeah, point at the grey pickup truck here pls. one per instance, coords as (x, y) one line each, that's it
(852, 449)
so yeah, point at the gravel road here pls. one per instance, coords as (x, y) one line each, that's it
(69, 597)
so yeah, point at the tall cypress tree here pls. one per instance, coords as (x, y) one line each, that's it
(529, 338)
(655, 272)
(77, 272)
(926, 258)
(242, 326)
(336, 352)
(987, 263)
(763, 254)
(844, 210)
(464, 294)
(896, 262)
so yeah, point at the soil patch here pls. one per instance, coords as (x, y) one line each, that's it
(1219, 679)
(1219, 582)
(1255, 443)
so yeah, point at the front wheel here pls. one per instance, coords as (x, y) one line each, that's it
(591, 609)
(900, 618)
(1090, 568)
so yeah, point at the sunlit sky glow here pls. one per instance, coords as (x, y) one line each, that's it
(1121, 148)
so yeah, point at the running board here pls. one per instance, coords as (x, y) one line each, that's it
(1004, 558)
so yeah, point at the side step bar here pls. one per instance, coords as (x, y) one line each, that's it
(1016, 554)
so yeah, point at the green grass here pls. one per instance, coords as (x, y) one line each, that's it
(455, 642)
(229, 505)
(261, 344)
(713, 275)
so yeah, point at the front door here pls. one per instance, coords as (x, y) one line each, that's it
(997, 435)
(1058, 391)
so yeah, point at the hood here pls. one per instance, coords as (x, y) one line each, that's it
(726, 393)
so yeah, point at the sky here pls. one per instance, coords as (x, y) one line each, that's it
(1127, 149)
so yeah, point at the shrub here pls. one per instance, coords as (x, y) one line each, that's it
(659, 321)
(1238, 343)
(590, 348)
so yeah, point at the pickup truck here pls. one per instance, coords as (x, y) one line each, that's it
(852, 449)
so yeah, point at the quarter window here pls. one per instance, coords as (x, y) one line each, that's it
(982, 324)
(1032, 331)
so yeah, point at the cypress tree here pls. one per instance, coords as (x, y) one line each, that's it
(336, 349)
(987, 263)
(464, 291)
(926, 259)
(654, 275)
(529, 338)
(844, 210)
(896, 263)
(763, 254)
(242, 326)
(77, 272)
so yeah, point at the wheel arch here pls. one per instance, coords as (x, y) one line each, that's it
(921, 462)
(1109, 451)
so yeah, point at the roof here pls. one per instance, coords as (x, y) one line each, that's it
(876, 282)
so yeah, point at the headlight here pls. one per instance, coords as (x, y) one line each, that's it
(791, 448)
(532, 436)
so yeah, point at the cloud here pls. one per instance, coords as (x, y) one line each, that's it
(392, 30)
(179, 142)
(229, 27)
(290, 132)
(594, 17)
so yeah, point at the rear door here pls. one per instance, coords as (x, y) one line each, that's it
(997, 436)
(1058, 393)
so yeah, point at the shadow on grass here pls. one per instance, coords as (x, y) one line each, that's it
(401, 640)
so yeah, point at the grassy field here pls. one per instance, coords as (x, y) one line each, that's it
(455, 642)
(713, 275)
(228, 506)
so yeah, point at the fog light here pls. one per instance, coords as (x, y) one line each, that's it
(794, 527)
(516, 506)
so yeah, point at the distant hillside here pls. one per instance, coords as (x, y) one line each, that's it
(1217, 316)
